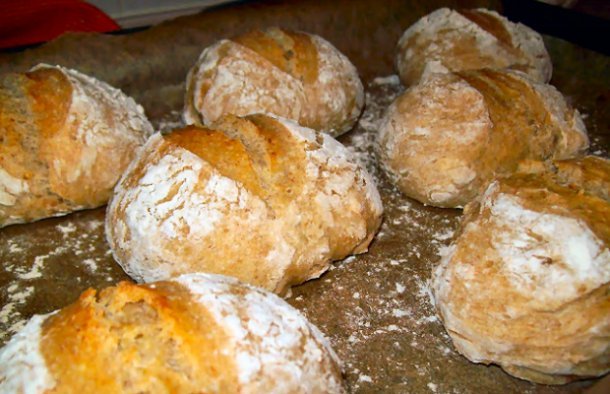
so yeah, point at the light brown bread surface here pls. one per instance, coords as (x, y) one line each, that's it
(446, 138)
(526, 283)
(196, 334)
(258, 198)
(461, 40)
(66, 138)
(290, 74)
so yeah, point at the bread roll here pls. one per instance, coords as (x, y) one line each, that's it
(444, 139)
(66, 139)
(471, 40)
(258, 198)
(195, 334)
(526, 284)
(290, 74)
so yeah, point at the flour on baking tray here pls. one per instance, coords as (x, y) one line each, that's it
(29, 267)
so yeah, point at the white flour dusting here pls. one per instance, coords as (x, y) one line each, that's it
(275, 331)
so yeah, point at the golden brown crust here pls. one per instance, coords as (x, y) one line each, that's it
(137, 339)
(590, 172)
(292, 52)
(51, 95)
(580, 187)
(228, 156)
(284, 161)
(258, 152)
(23, 96)
(490, 24)
(197, 333)
(17, 148)
(518, 114)
(59, 129)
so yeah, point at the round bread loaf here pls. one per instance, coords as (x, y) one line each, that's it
(290, 74)
(471, 40)
(198, 333)
(258, 198)
(526, 284)
(443, 140)
(66, 139)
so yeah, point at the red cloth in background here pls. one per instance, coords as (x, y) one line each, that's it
(24, 22)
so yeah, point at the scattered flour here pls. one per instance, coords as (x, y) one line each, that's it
(27, 266)
(365, 378)
(35, 270)
(170, 122)
(91, 264)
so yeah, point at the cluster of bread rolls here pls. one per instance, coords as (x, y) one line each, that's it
(477, 106)
(259, 198)
(195, 333)
(262, 198)
(253, 188)
(66, 139)
(525, 284)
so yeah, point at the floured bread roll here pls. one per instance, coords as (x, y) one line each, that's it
(290, 74)
(195, 334)
(471, 40)
(444, 139)
(258, 198)
(66, 139)
(526, 284)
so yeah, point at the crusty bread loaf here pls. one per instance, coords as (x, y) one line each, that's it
(526, 284)
(471, 40)
(258, 198)
(290, 74)
(446, 138)
(66, 139)
(195, 334)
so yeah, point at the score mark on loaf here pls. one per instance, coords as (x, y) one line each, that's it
(462, 40)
